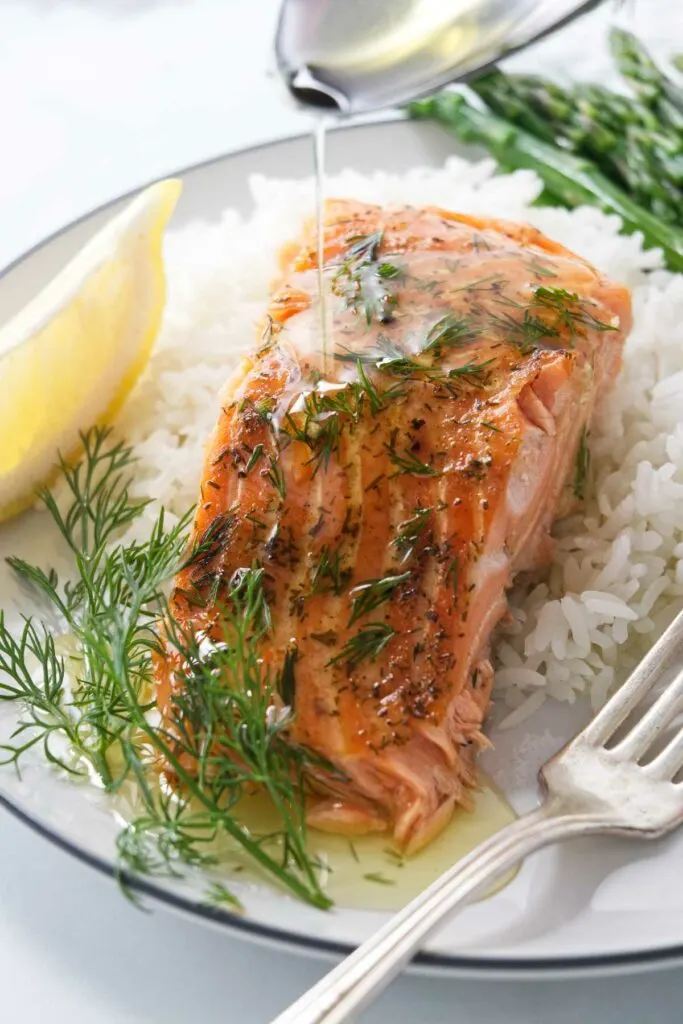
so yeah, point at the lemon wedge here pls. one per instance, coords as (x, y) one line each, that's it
(69, 359)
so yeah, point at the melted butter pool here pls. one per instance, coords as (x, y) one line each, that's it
(366, 873)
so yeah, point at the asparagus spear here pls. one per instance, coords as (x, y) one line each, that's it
(596, 123)
(500, 93)
(621, 134)
(572, 180)
(637, 66)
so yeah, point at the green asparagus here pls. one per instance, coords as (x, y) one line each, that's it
(569, 179)
(606, 127)
(637, 67)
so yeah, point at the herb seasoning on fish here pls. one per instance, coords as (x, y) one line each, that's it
(400, 487)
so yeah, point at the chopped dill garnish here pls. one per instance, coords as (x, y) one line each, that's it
(411, 531)
(386, 348)
(329, 575)
(490, 283)
(526, 333)
(264, 407)
(360, 279)
(474, 374)
(277, 477)
(370, 594)
(469, 375)
(407, 462)
(583, 462)
(571, 311)
(378, 878)
(368, 642)
(390, 271)
(318, 418)
(540, 269)
(254, 458)
(354, 852)
(450, 331)
(219, 895)
(94, 713)
(453, 574)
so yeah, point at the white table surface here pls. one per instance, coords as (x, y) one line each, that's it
(96, 97)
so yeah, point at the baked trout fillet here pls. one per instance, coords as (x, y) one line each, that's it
(390, 474)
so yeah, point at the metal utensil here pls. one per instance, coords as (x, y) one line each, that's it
(362, 55)
(603, 781)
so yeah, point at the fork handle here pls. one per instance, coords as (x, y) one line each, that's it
(356, 981)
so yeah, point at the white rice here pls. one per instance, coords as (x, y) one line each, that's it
(617, 576)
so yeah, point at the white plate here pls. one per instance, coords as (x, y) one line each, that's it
(594, 905)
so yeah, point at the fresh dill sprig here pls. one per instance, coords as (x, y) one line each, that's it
(370, 594)
(41, 695)
(368, 642)
(220, 734)
(411, 531)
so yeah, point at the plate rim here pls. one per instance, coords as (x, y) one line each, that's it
(432, 963)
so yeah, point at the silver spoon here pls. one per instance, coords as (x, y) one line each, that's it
(361, 55)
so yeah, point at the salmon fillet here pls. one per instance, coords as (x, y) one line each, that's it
(393, 487)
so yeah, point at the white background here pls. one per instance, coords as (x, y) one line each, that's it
(97, 97)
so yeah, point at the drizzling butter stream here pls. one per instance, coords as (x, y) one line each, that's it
(319, 129)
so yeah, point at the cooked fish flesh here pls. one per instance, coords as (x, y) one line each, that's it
(392, 473)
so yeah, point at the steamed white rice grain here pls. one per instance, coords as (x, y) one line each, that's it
(617, 576)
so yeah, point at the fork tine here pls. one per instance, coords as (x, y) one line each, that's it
(657, 717)
(640, 682)
(666, 764)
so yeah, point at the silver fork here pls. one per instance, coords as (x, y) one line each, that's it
(587, 787)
